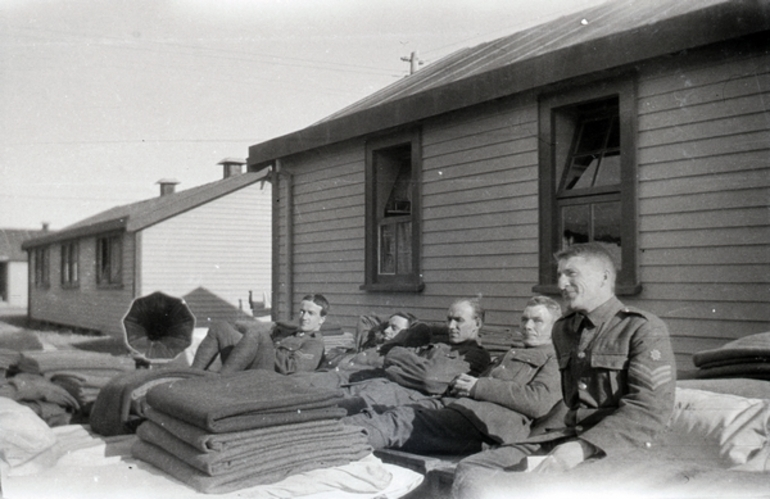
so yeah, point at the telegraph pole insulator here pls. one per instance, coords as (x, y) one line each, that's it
(413, 61)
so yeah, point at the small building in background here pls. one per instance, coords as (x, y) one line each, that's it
(210, 245)
(14, 266)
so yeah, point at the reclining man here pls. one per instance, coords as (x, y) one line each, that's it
(255, 345)
(495, 408)
(618, 380)
(420, 369)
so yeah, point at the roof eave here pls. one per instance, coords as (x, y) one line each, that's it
(66, 235)
(695, 29)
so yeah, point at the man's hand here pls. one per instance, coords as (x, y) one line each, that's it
(462, 385)
(566, 456)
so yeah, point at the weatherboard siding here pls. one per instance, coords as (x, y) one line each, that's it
(212, 255)
(703, 218)
(87, 306)
(704, 223)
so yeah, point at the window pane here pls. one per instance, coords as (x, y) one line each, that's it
(115, 260)
(404, 247)
(581, 174)
(387, 250)
(399, 200)
(575, 224)
(609, 171)
(614, 140)
(593, 136)
(607, 227)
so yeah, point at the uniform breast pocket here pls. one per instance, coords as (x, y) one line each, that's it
(612, 369)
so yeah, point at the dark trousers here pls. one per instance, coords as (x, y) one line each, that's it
(226, 342)
(420, 430)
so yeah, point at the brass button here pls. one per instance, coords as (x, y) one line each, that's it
(581, 355)
(582, 385)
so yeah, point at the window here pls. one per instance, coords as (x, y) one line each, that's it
(42, 263)
(588, 177)
(109, 260)
(393, 171)
(69, 264)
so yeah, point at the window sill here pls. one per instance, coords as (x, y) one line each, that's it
(394, 287)
(620, 289)
(70, 286)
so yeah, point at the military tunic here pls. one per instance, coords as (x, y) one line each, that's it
(518, 387)
(618, 381)
(618, 375)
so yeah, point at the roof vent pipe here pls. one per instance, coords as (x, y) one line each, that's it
(167, 186)
(232, 167)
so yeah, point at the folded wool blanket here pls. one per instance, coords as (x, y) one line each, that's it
(204, 441)
(242, 478)
(755, 370)
(84, 387)
(9, 358)
(42, 362)
(112, 414)
(259, 453)
(35, 388)
(244, 400)
(755, 345)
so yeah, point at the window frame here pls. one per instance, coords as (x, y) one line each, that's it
(114, 278)
(70, 264)
(374, 281)
(42, 267)
(556, 140)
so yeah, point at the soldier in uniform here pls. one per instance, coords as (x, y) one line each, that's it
(497, 407)
(254, 345)
(618, 380)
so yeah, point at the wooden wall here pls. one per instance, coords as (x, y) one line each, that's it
(704, 192)
(212, 255)
(87, 306)
(704, 222)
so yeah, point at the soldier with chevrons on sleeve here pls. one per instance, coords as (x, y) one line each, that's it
(618, 380)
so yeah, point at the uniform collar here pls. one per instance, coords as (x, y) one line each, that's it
(605, 311)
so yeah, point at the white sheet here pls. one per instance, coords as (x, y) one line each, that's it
(86, 465)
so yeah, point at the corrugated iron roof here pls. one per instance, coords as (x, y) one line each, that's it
(140, 215)
(613, 34)
(11, 241)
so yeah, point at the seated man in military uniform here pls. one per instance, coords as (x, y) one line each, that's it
(495, 408)
(618, 381)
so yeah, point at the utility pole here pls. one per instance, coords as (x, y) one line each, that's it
(413, 61)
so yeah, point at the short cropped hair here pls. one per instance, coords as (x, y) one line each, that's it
(319, 300)
(595, 251)
(411, 319)
(475, 303)
(550, 304)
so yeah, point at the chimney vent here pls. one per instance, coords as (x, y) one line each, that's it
(232, 167)
(167, 186)
(46, 226)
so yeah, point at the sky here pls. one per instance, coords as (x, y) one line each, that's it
(101, 99)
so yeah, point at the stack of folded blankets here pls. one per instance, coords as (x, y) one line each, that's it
(225, 433)
(747, 357)
(82, 373)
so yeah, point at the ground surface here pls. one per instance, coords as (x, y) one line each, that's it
(18, 333)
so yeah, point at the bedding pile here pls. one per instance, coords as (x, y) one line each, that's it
(220, 434)
(747, 357)
(59, 385)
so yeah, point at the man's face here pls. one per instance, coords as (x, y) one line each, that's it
(583, 282)
(536, 325)
(396, 324)
(462, 325)
(310, 318)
